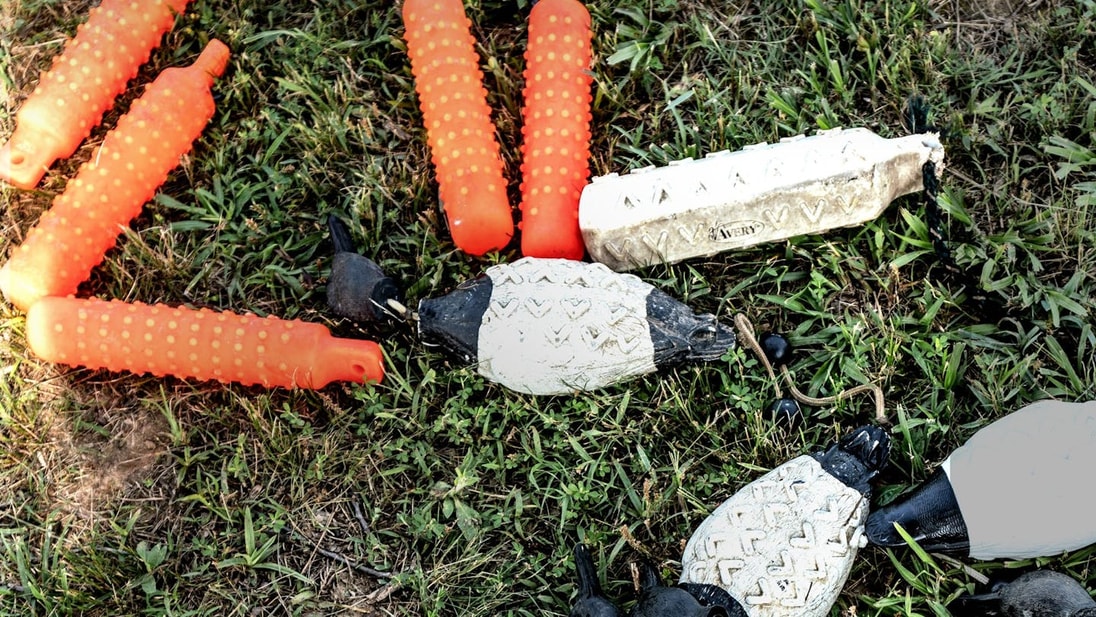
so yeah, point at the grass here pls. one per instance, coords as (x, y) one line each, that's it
(130, 495)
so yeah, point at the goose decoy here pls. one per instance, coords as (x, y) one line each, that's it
(693, 600)
(591, 602)
(556, 326)
(358, 289)
(1020, 487)
(1041, 593)
(784, 544)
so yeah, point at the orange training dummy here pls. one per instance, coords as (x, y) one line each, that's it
(83, 223)
(458, 124)
(70, 99)
(556, 131)
(200, 344)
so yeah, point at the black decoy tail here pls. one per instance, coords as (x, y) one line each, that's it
(930, 515)
(857, 457)
(340, 235)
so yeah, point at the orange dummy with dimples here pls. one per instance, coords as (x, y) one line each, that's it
(73, 236)
(93, 69)
(556, 131)
(200, 344)
(459, 130)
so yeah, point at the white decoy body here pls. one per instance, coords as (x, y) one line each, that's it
(784, 544)
(1021, 487)
(557, 326)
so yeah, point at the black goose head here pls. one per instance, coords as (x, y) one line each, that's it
(709, 339)
(1043, 593)
(591, 602)
(358, 289)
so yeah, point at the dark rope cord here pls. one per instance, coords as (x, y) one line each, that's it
(932, 216)
(917, 119)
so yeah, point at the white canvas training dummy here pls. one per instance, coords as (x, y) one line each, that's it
(762, 193)
(784, 544)
(1021, 487)
(556, 326)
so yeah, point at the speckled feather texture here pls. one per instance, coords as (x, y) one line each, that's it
(784, 544)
